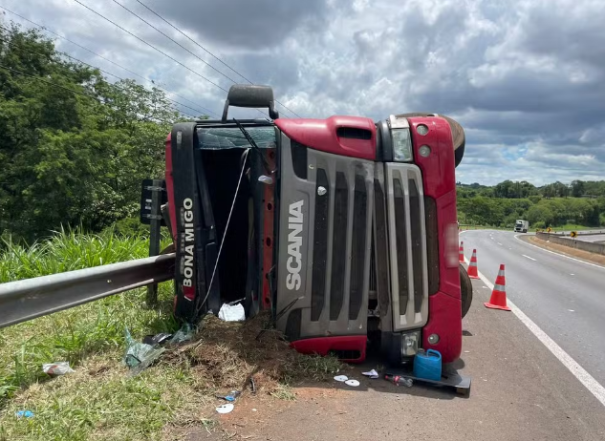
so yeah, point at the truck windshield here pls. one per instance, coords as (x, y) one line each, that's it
(218, 138)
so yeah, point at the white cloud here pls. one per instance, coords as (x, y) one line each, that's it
(526, 78)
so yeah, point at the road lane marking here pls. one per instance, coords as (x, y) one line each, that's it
(558, 254)
(499, 243)
(530, 258)
(577, 371)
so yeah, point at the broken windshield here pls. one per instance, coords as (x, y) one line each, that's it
(216, 138)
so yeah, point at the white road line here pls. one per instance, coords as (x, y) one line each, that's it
(559, 254)
(530, 258)
(577, 371)
(499, 243)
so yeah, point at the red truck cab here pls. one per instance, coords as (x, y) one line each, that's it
(344, 228)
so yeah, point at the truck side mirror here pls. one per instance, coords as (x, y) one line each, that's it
(250, 96)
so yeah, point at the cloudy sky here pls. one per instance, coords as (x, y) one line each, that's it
(525, 78)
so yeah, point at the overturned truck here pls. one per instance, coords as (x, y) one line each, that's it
(344, 228)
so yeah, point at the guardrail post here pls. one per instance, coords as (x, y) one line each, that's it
(155, 235)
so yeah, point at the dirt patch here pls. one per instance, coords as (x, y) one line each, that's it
(568, 251)
(235, 355)
(226, 356)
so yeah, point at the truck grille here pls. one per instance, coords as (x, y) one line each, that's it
(409, 274)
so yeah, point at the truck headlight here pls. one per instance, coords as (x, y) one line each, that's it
(402, 145)
(409, 343)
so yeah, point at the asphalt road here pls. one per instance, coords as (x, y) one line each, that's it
(564, 297)
(520, 391)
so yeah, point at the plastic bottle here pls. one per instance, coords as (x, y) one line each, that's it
(398, 380)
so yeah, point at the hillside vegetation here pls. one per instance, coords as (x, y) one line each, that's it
(74, 147)
(580, 204)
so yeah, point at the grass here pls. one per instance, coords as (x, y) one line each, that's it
(283, 392)
(101, 401)
(573, 227)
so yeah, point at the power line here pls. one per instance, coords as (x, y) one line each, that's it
(174, 41)
(149, 44)
(50, 83)
(204, 49)
(178, 44)
(205, 110)
(121, 88)
(44, 81)
(192, 40)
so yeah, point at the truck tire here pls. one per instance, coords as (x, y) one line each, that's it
(466, 291)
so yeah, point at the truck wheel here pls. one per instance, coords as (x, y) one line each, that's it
(466, 291)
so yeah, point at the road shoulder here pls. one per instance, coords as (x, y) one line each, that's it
(520, 391)
(582, 255)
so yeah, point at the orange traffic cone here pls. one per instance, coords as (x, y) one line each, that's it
(461, 253)
(498, 299)
(473, 272)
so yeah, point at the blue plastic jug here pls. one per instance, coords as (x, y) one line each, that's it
(428, 366)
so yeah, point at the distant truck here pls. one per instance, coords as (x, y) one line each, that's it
(521, 226)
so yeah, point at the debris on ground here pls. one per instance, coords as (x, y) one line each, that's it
(225, 408)
(232, 313)
(341, 378)
(139, 356)
(158, 339)
(229, 355)
(232, 396)
(56, 369)
(182, 335)
(24, 414)
(398, 380)
(372, 374)
(352, 383)
(252, 386)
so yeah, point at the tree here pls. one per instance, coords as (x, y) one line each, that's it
(577, 188)
(74, 147)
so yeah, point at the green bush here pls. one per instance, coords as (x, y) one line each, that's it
(130, 227)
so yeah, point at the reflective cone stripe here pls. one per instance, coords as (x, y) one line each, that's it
(500, 280)
(461, 253)
(498, 298)
(473, 271)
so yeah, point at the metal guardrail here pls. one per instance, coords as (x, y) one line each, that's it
(27, 299)
(572, 243)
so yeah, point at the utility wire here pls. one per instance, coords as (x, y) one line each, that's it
(173, 40)
(192, 40)
(50, 83)
(205, 50)
(121, 88)
(178, 44)
(149, 44)
(44, 81)
(205, 110)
